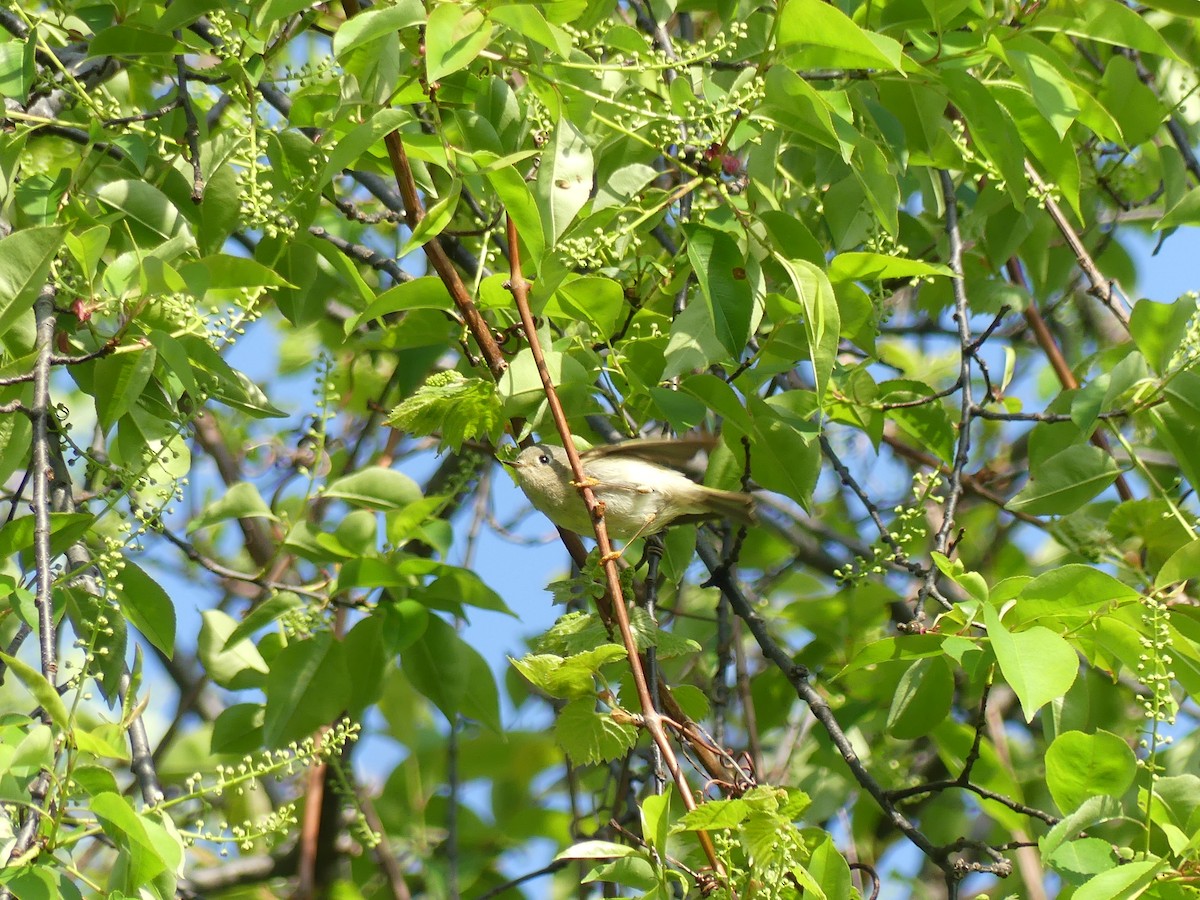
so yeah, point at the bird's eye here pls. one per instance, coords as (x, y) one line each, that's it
(544, 459)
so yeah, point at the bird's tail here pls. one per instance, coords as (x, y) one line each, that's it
(731, 505)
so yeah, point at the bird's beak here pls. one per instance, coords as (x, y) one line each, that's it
(511, 463)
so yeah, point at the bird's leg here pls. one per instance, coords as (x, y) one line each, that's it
(616, 554)
(587, 482)
(652, 553)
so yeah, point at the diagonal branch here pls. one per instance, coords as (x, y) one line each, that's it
(650, 715)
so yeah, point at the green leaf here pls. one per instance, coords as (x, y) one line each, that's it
(1158, 329)
(236, 666)
(130, 40)
(17, 66)
(148, 607)
(1137, 109)
(452, 406)
(120, 379)
(822, 320)
(1093, 811)
(131, 833)
(1109, 22)
(1066, 481)
(564, 180)
(1037, 664)
(1182, 565)
(588, 298)
(435, 220)
(241, 501)
(452, 674)
(376, 22)
(238, 729)
(223, 272)
(360, 139)
(146, 204)
(922, 699)
(813, 23)
(1067, 595)
(1122, 883)
(720, 270)
(1079, 766)
(428, 292)
(1087, 856)
(25, 258)
(524, 209)
(991, 129)
(16, 535)
(453, 38)
(570, 677)
(693, 344)
(588, 736)
(305, 689)
(858, 266)
(597, 850)
(928, 424)
(43, 691)
(785, 456)
(376, 488)
(262, 615)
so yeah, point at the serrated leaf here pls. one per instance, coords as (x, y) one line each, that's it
(588, 736)
(452, 406)
(715, 814)
(568, 677)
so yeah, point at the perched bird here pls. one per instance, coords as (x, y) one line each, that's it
(638, 482)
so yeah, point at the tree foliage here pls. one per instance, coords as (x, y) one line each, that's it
(882, 249)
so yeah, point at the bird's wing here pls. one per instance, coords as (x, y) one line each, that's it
(673, 452)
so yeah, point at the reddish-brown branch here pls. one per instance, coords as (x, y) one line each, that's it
(650, 715)
(1045, 340)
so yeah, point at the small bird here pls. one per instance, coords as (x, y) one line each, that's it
(638, 482)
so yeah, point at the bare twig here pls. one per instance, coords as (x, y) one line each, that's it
(941, 540)
(1103, 289)
(650, 715)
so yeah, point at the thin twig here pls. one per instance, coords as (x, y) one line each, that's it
(650, 716)
(192, 132)
(962, 314)
(1102, 289)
